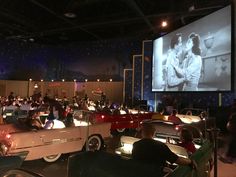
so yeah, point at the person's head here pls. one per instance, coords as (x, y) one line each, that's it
(193, 44)
(189, 112)
(148, 130)
(174, 112)
(176, 41)
(161, 110)
(186, 135)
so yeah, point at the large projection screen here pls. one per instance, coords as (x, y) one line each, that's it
(196, 57)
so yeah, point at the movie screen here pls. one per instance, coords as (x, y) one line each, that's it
(196, 57)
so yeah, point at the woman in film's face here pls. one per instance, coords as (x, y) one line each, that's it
(178, 46)
(189, 44)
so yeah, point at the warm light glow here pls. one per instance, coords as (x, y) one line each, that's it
(197, 146)
(63, 80)
(122, 112)
(36, 86)
(52, 80)
(41, 80)
(164, 23)
(98, 80)
(86, 80)
(110, 80)
(58, 124)
(177, 127)
(91, 108)
(165, 118)
(30, 79)
(81, 123)
(8, 136)
(74, 80)
(128, 148)
(118, 152)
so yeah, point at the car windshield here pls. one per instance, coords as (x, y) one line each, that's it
(191, 111)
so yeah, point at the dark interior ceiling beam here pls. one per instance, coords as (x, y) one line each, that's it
(62, 18)
(18, 19)
(137, 9)
(117, 22)
(13, 27)
(100, 24)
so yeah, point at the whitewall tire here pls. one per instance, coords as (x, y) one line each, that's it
(52, 158)
(94, 143)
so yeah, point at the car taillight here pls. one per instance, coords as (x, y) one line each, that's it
(177, 128)
(8, 136)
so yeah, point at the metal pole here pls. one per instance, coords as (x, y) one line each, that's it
(215, 134)
(28, 88)
(87, 132)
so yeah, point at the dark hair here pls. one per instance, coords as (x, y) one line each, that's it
(148, 129)
(174, 112)
(186, 135)
(196, 43)
(175, 40)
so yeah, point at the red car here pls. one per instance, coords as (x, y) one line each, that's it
(122, 121)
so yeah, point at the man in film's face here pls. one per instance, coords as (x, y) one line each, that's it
(179, 46)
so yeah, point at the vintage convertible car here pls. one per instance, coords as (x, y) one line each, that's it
(166, 132)
(105, 165)
(121, 121)
(203, 154)
(49, 144)
(169, 133)
(202, 121)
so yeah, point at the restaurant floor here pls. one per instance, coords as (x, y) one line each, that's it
(225, 169)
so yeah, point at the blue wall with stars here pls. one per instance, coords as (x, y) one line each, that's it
(21, 60)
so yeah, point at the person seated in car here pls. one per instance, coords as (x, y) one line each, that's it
(50, 120)
(186, 138)
(173, 118)
(106, 109)
(69, 121)
(189, 113)
(116, 111)
(153, 152)
(34, 120)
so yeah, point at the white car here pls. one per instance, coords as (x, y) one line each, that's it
(49, 144)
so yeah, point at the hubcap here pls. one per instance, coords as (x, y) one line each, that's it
(93, 144)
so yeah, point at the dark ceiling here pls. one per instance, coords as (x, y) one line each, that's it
(52, 21)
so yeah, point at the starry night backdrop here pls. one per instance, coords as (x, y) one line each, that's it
(137, 74)
(128, 86)
(147, 73)
(21, 60)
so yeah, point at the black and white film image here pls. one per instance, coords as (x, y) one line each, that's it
(196, 57)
